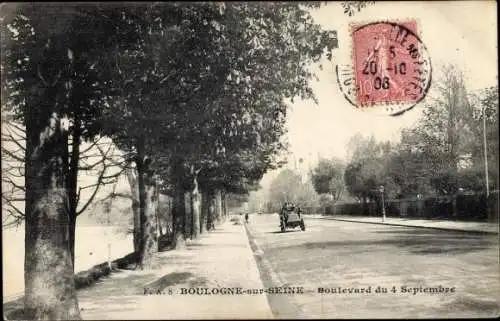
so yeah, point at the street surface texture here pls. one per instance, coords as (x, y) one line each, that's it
(332, 254)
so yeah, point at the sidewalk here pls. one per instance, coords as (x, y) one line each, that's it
(476, 227)
(218, 259)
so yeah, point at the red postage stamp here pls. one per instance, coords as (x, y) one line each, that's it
(391, 69)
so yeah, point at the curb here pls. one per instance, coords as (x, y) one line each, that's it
(293, 311)
(417, 226)
(257, 252)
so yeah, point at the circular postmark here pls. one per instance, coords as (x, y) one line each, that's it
(390, 71)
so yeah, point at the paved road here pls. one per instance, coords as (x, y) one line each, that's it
(333, 254)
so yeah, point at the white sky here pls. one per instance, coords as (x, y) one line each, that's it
(451, 31)
(462, 32)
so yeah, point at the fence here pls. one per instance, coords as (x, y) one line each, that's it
(467, 207)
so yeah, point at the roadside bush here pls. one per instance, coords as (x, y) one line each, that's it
(355, 209)
(473, 207)
(492, 211)
(90, 276)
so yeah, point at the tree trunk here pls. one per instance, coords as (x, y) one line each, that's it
(191, 211)
(366, 210)
(178, 218)
(179, 205)
(73, 185)
(72, 235)
(195, 208)
(150, 223)
(218, 206)
(158, 219)
(170, 216)
(210, 214)
(224, 205)
(48, 270)
(205, 210)
(188, 219)
(147, 200)
(334, 199)
(134, 187)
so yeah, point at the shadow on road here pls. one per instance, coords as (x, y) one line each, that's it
(287, 231)
(282, 307)
(430, 231)
(170, 279)
(469, 305)
(414, 241)
(218, 232)
(119, 294)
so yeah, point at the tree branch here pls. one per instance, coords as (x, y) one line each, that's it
(116, 175)
(91, 166)
(92, 196)
(103, 179)
(11, 154)
(18, 127)
(39, 74)
(122, 195)
(11, 208)
(20, 169)
(91, 146)
(14, 139)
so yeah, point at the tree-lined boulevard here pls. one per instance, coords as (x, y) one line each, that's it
(189, 93)
(149, 127)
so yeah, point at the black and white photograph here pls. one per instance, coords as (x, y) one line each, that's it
(250, 160)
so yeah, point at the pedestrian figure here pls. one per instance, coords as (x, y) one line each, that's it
(246, 217)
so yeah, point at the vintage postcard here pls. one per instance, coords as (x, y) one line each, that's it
(250, 160)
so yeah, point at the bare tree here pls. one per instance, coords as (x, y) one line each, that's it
(13, 150)
(100, 159)
(442, 131)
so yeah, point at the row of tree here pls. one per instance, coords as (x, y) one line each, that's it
(445, 152)
(452, 148)
(192, 94)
